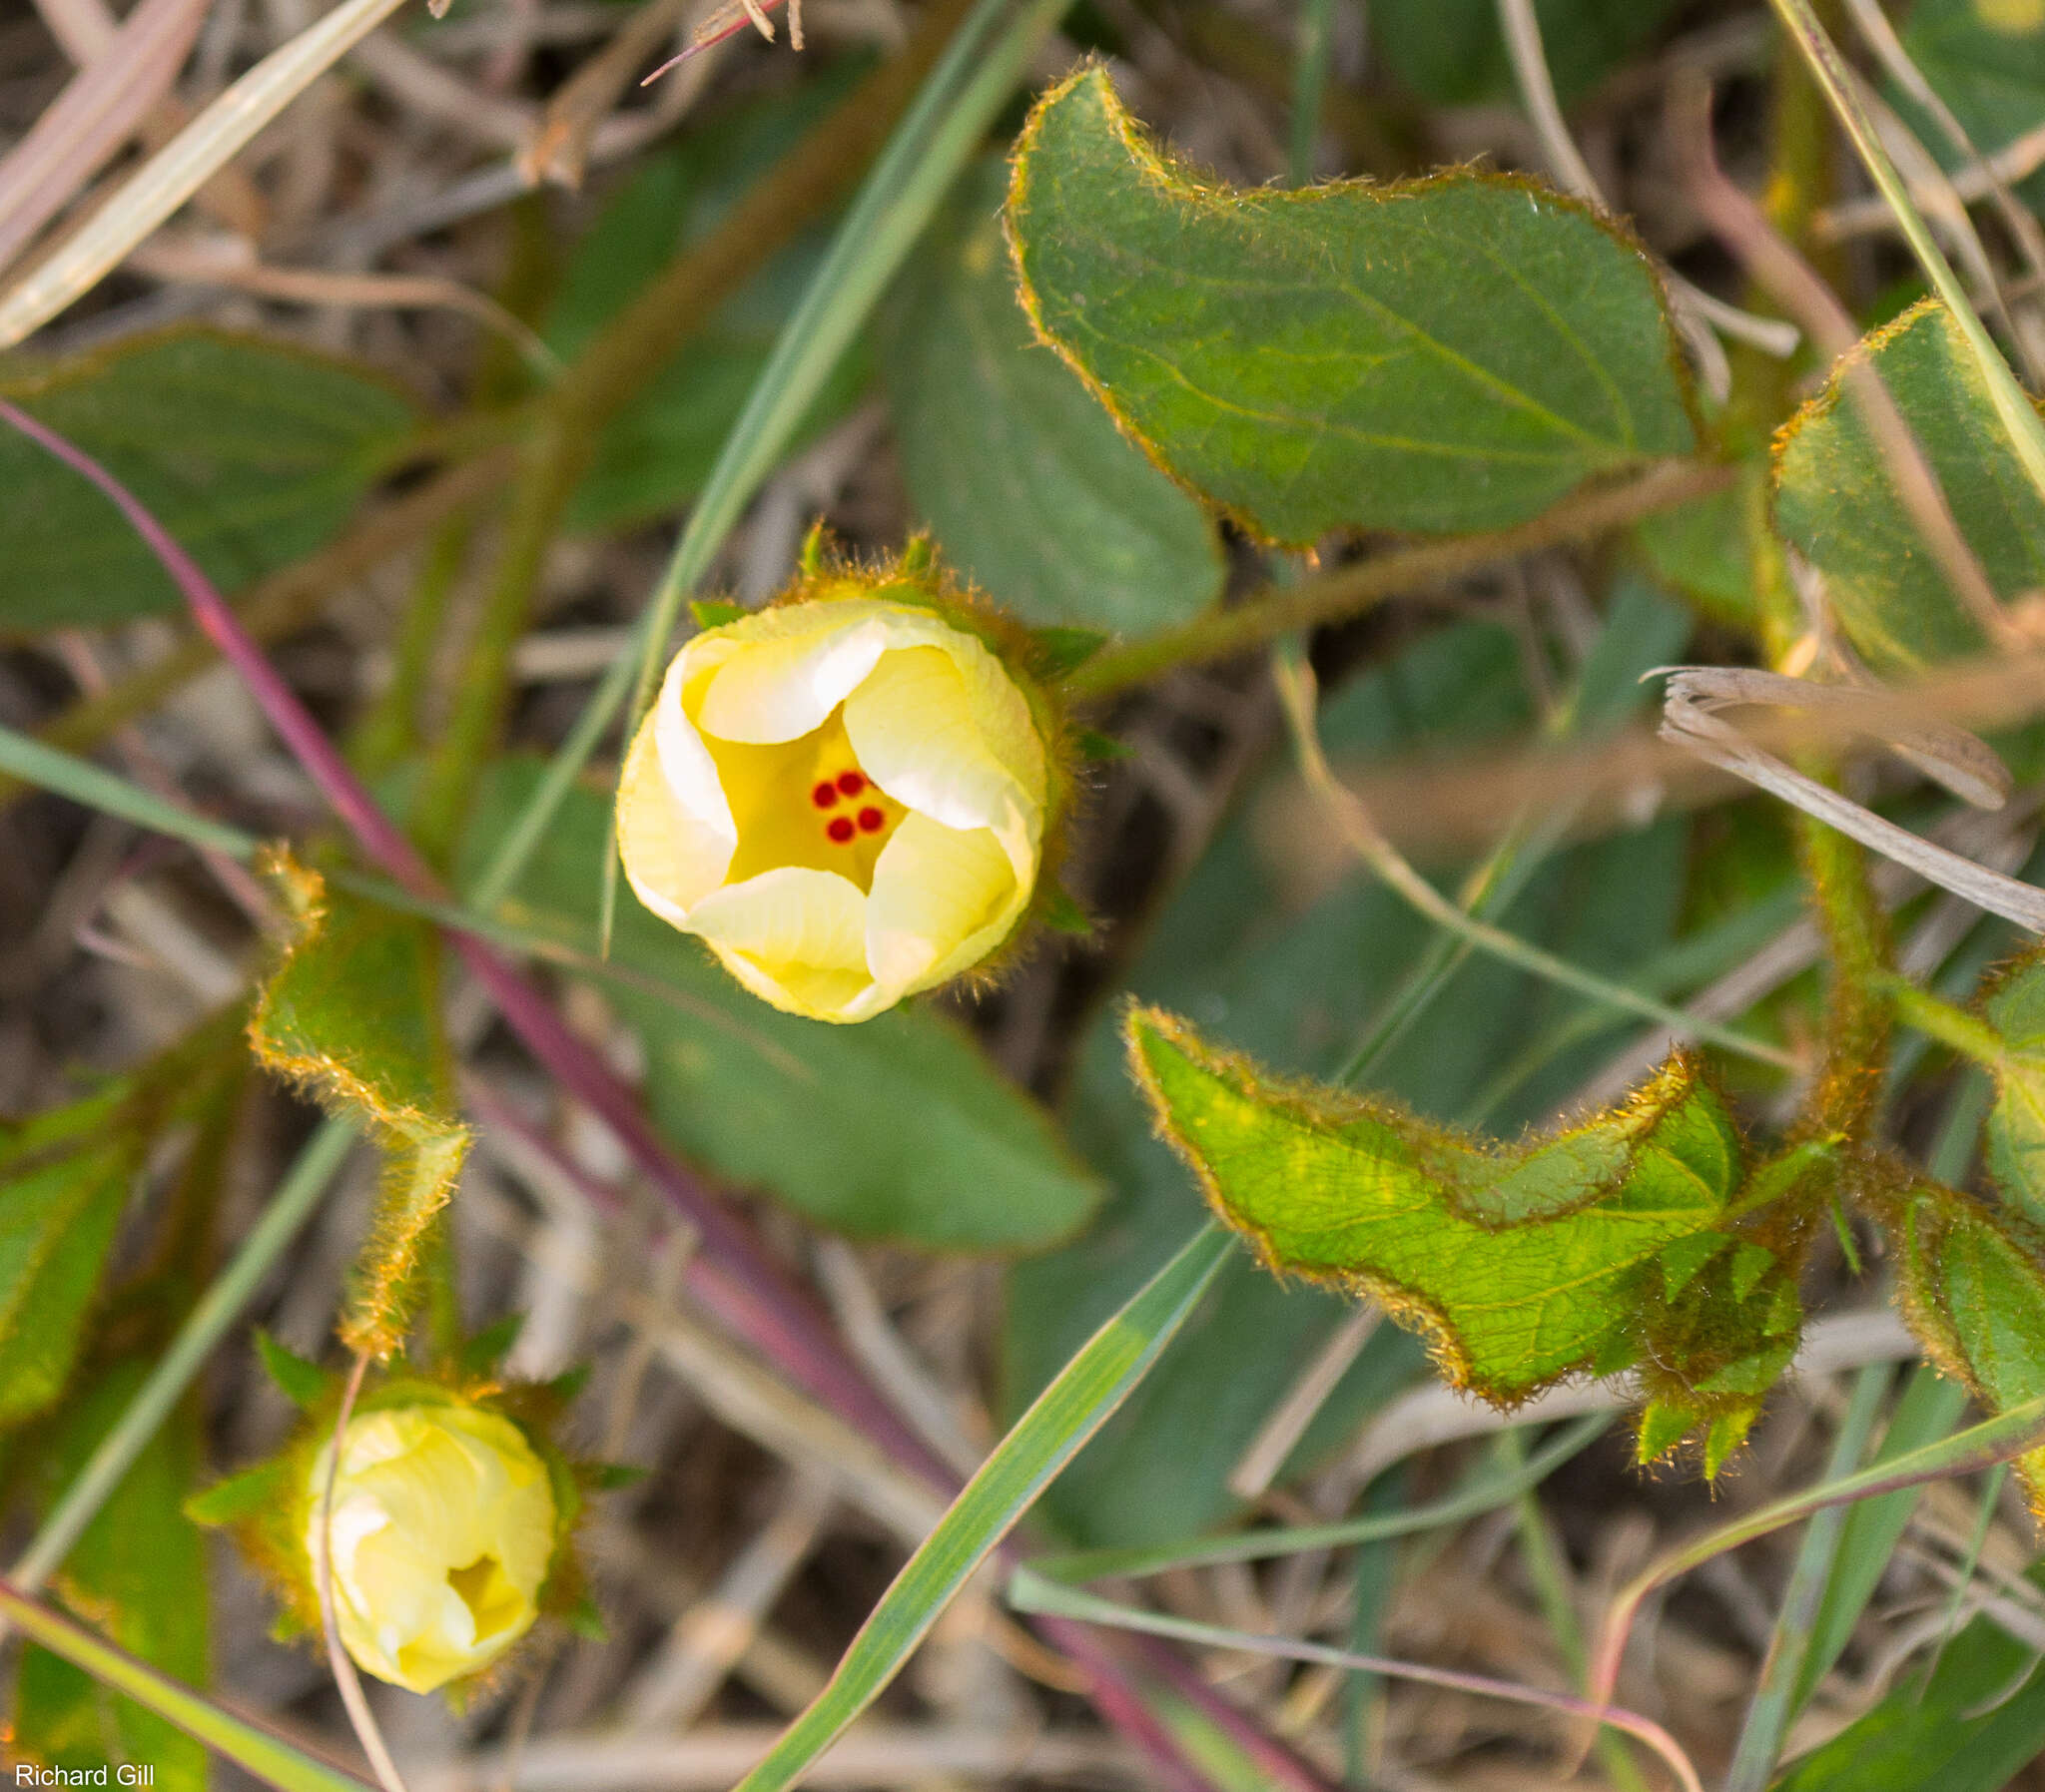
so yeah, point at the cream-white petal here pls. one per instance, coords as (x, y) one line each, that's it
(941, 898)
(917, 733)
(672, 859)
(790, 916)
(783, 683)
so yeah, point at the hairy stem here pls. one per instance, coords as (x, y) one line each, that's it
(1350, 590)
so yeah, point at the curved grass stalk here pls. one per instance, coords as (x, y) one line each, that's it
(1296, 693)
(1059, 1420)
(1983, 1445)
(1485, 1494)
(205, 1326)
(1031, 1591)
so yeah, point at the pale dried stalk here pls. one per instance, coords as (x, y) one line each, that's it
(1689, 720)
(1280, 1434)
(184, 165)
(346, 1679)
(101, 107)
(711, 1636)
(226, 263)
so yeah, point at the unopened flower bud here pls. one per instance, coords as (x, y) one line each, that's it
(844, 795)
(443, 1524)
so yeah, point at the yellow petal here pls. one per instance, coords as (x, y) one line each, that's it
(922, 735)
(942, 900)
(794, 936)
(443, 1527)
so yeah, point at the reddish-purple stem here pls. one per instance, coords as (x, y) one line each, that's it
(730, 1271)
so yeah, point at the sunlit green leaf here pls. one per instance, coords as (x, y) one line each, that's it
(1837, 503)
(1032, 489)
(1454, 353)
(139, 1572)
(252, 453)
(353, 1014)
(1521, 1265)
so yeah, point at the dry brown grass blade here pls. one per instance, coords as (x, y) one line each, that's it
(101, 107)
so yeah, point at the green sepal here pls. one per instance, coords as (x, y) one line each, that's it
(1663, 1425)
(608, 1477)
(569, 1382)
(1685, 1257)
(586, 1622)
(1729, 1432)
(714, 612)
(1101, 748)
(1062, 914)
(816, 550)
(1058, 652)
(484, 1354)
(240, 1496)
(303, 1383)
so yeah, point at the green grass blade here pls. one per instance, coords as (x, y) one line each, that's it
(268, 1758)
(28, 759)
(1486, 1493)
(1775, 1702)
(1929, 1407)
(1067, 1413)
(958, 103)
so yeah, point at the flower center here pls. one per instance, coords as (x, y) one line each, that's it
(805, 802)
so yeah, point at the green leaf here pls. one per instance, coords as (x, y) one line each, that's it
(1987, 63)
(138, 1571)
(1055, 652)
(252, 453)
(266, 1755)
(1973, 1728)
(62, 1189)
(1030, 487)
(1972, 1284)
(896, 1128)
(1838, 504)
(1068, 1412)
(1700, 549)
(352, 1014)
(1447, 354)
(1451, 53)
(1521, 1267)
(2015, 1133)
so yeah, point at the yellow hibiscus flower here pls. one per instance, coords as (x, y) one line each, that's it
(843, 797)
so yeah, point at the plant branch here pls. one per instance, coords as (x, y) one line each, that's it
(1350, 590)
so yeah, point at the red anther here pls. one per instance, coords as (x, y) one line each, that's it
(841, 828)
(871, 818)
(851, 783)
(825, 795)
